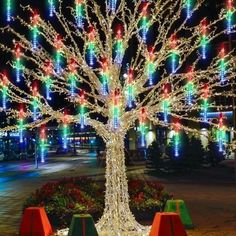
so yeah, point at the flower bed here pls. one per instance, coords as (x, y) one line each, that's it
(68, 196)
(147, 198)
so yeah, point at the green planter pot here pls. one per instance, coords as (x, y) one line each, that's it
(82, 225)
(179, 206)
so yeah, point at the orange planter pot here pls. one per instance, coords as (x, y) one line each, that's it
(167, 224)
(35, 222)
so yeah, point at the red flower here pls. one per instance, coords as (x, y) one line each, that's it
(71, 206)
(135, 184)
(139, 197)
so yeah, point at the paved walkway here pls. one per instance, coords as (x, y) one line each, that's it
(210, 195)
(19, 179)
(211, 198)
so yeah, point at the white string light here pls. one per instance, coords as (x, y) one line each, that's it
(105, 80)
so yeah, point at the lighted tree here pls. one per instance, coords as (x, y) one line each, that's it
(121, 63)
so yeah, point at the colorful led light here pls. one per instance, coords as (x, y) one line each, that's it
(21, 124)
(116, 108)
(222, 65)
(4, 90)
(42, 143)
(9, 9)
(190, 87)
(35, 102)
(229, 15)
(176, 138)
(144, 21)
(48, 70)
(82, 110)
(104, 76)
(150, 66)
(79, 13)
(165, 109)
(58, 44)
(52, 7)
(142, 125)
(112, 5)
(65, 131)
(205, 103)
(188, 5)
(204, 38)
(35, 29)
(72, 79)
(130, 88)
(4, 97)
(166, 101)
(174, 53)
(18, 65)
(91, 46)
(221, 134)
(72, 66)
(119, 47)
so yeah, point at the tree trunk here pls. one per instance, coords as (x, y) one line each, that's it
(117, 218)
